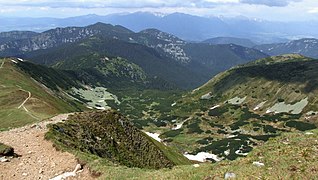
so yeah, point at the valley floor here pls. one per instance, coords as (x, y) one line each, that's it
(39, 159)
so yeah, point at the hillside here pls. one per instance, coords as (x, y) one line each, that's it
(251, 118)
(24, 100)
(245, 106)
(289, 156)
(111, 136)
(230, 40)
(307, 47)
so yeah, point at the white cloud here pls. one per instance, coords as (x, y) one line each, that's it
(279, 10)
(279, 3)
(313, 10)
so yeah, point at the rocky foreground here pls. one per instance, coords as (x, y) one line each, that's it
(37, 158)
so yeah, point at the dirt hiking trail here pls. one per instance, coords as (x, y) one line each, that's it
(39, 159)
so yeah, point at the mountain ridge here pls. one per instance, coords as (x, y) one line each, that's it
(158, 53)
(261, 31)
(306, 46)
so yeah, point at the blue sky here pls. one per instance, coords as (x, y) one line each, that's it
(280, 10)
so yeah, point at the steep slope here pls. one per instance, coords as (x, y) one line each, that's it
(109, 135)
(307, 47)
(230, 40)
(24, 100)
(95, 49)
(245, 106)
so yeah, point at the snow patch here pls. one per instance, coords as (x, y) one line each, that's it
(237, 100)
(260, 105)
(296, 108)
(14, 61)
(206, 96)
(227, 152)
(309, 133)
(202, 157)
(100, 108)
(179, 126)
(68, 174)
(239, 152)
(214, 107)
(258, 164)
(154, 136)
(89, 107)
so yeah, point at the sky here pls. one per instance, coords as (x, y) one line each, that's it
(280, 10)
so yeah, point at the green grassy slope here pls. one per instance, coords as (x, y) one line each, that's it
(15, 86)
(290, 156)
(222, 117)
(109, 135)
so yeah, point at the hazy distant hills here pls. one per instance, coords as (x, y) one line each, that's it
(230, 40)
(187, 27)
(158, 54)
(307, 47)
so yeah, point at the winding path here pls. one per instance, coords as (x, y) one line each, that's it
(26, 98)
(39, 159)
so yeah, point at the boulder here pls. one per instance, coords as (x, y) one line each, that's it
(6, 150)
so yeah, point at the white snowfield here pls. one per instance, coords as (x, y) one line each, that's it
(202, 157)
(155, 136)
(296, 108)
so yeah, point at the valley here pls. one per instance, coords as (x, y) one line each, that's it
(149, 105)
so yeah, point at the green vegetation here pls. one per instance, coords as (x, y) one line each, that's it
(301, 126)
(237, 123)
(109, 135)
(6, 150)
(281, 157)
(15, 86)
(95, 97)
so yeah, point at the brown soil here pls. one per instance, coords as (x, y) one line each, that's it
(39, 159)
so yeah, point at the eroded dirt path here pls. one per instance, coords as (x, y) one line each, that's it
(39, 159)
(29, 96)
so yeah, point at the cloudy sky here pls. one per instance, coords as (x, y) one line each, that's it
(283, 10)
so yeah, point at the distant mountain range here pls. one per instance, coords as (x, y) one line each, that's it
(185, 26)
(152, 53)
(307, 47)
